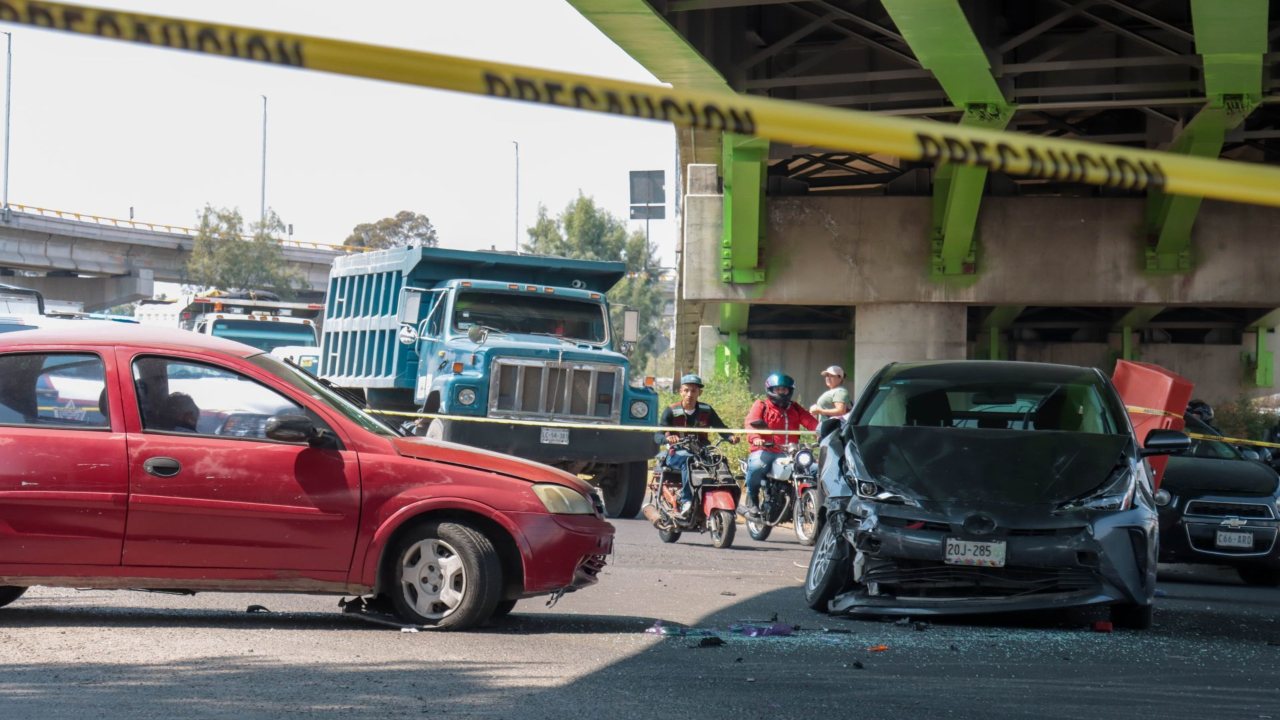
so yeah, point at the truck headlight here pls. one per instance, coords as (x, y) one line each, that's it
(466, 396)
(639, 409)
(560, 500)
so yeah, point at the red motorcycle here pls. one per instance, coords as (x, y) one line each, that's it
(715, 496)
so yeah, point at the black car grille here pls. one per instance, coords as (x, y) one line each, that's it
(1210, 508)
(939, 580)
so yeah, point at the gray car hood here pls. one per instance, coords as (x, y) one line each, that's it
(973, 467)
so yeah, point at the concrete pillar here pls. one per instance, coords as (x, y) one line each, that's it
(708, 340)
(901, 332)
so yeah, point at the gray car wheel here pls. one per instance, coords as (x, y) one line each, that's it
(445, 574)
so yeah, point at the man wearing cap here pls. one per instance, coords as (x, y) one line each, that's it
(687, 413)
(835, 401)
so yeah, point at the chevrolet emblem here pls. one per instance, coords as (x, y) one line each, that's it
(1235, 522)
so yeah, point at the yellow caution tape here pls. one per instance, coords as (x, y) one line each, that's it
(589, 426)
(791, 122)
(1233, 441)
(1151, 411)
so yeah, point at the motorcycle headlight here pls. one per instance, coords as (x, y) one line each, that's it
(804, 458)
(639, 409)
(1115, 494)
(466, 396)
(560, 500)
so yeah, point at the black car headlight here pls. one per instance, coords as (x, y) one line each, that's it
(872, 490)
(1115, 494)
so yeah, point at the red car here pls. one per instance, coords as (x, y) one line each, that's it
(169, 460)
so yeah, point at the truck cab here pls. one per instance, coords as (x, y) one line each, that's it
(512, 353)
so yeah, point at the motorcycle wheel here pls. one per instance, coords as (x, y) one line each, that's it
(723, 528)
(668, 536)
(806, 518)
(757, 528)
(828, 573)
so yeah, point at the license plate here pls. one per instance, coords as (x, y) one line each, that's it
(1228, 539)
(970, 552)
(555, 436)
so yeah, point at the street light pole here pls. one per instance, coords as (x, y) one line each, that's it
(517, 219)
(8, 83)
(262, 216)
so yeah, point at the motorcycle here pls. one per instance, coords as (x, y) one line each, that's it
(790, 492)
(715, 496)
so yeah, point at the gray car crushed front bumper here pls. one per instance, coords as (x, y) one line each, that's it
(1053, 561)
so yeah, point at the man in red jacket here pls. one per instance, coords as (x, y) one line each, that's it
(777, 412)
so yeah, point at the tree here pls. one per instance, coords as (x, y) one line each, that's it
(406, 229)
(222, 258)
(586, 231)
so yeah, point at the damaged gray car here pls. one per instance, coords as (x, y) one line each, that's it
(973, 487)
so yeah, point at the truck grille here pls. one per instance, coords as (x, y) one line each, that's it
(565, 390)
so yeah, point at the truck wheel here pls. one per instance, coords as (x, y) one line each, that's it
(445, 574)
(623, 488)
(9, 593)
(438, 430)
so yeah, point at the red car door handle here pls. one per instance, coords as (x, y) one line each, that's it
(162, 466)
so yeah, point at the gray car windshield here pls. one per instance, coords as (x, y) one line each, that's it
(994, 405)
(531, 313)
(313, 389)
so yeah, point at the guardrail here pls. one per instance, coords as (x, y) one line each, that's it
(164, 227)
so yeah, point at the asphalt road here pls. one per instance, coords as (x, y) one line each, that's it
(1214, 653)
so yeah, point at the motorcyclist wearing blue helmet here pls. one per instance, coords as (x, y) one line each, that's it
(687, 413)
(776, 412)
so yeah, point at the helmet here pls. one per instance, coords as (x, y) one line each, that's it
(778, 387)
(1200, 409)
(691, 379)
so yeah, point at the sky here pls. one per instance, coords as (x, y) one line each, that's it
(101, 127)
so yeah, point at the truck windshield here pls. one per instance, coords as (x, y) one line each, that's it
(314, 389)
(532, 314)
(264, 334)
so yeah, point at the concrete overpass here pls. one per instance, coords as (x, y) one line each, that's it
(106, 262)
(798, 257)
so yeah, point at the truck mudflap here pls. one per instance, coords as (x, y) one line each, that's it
(551, 444)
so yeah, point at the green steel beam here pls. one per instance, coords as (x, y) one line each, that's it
(942, 40)
(745, 169)
(731, 355)
(645, 35)
(1267, 322)
(996, 322)
(1231, 38)
(1261, 362)
(1137, 317)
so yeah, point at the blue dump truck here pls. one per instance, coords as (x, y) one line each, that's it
(519, 338)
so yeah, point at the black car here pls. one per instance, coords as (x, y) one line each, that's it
(979, 487)
(1217, 507)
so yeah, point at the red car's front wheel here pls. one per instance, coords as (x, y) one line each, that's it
(445, 574)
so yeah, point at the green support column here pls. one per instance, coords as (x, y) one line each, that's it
(1136, 318)
(731, 355)
(744, 168)
(996, 322)
(939, 35)
(1231, 38)
(1262, 362)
